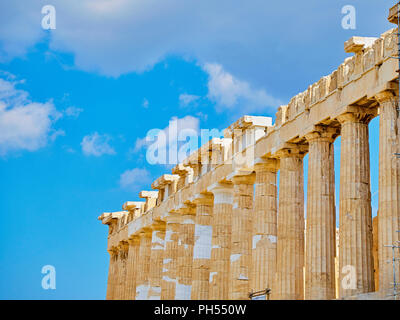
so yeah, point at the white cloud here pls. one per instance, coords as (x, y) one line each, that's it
(145, 103)
(134, 178)
(24, 125)
(248, 38)
(96, 145)
(73, 112)
(185, 99)
(229, 92)
(20, 27)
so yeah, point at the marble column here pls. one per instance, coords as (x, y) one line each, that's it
(156, 260)
(185, 253)
(356, 272)
(264, 235)
(170, 259)
(143, 268)
(132, 264)
(290, 247)
(221, 241)
(118, 275)
(202, 247)
(389, 189)
(123, 252)
(321, 217)
(241, 237)
(111, 274)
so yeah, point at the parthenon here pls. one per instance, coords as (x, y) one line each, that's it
(221, 226)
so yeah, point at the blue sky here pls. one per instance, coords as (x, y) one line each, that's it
(76, 102)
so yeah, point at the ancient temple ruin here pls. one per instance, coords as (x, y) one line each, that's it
(215, 227)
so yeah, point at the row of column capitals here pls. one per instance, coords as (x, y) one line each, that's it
(322, 133)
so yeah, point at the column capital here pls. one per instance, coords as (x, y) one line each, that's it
(112, 251)
(158, 226)
(133, 240)
(322, 133)
(386, 96)
(220, 187)
(123, 246)
(244, 179)
(186, 209)
(292, 150)
(266, 164)
(356, 114)
(223, 193)
(145, 232)
(173, 218)
(203, 199)
(241, 176)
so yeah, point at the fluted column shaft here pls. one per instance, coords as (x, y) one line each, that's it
(123, 253)
(111, 274)
(264, 226)
(389, 190)
(355, 230)
(132, 264)
(118, 275)
(241, 238)
(170, 260)
(321, 217)
(290, 246)
(156, 261)
(202, 248)
(143, 268)
(221, 242)
(185, 257)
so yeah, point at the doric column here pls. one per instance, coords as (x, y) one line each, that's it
(264, 226)
(118, 273)
(111, 273)
(170, 260)
(321, 216)
(185, 252)
(355, 230)
(389, 189)
(202, 247)
(132, 264)
(143, 268)
(241, 237)
(156, 260)
(221, 241)
(123, 258)
(290, 246)
(375, 252)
